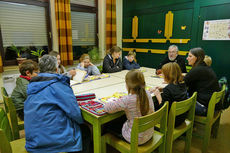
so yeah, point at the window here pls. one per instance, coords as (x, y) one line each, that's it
(84, 26)
(24, 26)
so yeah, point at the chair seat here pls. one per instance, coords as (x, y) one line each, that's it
(178, 131)
(203, 119)
(18, 146)
(21, 125)
(122, 145)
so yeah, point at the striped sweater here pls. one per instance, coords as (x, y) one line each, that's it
(128, 104)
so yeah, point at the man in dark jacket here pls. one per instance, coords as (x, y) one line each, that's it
(52, 114)
(173, 57)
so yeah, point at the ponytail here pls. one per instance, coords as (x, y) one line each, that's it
(142, 101)
(135, 82)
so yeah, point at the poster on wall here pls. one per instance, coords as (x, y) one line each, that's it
(216, 30)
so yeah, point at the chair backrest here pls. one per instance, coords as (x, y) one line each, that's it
(12, 115)
(217, 97)
(181, 107)
(146, 122)
(4, 92)
(4, 143)
(5, 125)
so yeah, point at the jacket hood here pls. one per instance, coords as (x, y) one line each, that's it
(43, 80)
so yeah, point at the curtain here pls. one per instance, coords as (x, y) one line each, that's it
(1, 64)
(63, 22)
(111, 37)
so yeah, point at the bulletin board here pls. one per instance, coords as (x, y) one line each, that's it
(216, 30)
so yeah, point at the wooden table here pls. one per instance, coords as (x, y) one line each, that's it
(103, 88)
(96, 84)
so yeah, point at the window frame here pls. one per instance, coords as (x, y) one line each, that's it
(88, 9)
(41, 3)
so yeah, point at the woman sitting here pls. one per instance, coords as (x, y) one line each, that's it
(200, 78)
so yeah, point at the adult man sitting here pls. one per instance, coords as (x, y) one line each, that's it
(52, 115)
(173, 57)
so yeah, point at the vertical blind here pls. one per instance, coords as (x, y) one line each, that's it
(83, 28)
(83, 2)
(23, 25)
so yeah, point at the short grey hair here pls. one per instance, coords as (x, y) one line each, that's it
(48, 64)
(173, 46)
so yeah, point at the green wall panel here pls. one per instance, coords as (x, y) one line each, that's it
(192, 13)
(217, 49)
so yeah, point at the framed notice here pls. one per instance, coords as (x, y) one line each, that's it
(216, 30)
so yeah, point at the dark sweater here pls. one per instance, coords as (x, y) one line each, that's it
(109, 66)
(127, 65)
(203, 80)
(179, 60)
(175, 93)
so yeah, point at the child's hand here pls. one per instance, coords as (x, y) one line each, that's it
(90, 64)
(82, 64)
(157, 92)
(72, 72)
(160, 89)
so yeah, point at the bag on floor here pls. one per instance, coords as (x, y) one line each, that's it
(226, 102)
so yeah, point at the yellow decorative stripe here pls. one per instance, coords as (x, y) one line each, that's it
(181, 41)
(127, 40)
(155, 51)
(158, 51)
(168, 24)
(158, 40)
(183, 52)
(127, 49)
(135, 27)
(142, 40)
(141, 50)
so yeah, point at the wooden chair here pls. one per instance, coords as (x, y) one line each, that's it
(188, 68)
(173, 132)
(139, 125)
(4, 92)
(212, 120)
(17, 146)
(16, 125)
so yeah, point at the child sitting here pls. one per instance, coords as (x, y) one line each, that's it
(87, 66)
(138, 103)
(208, 60)
(61, 69)
(28, 69)
(129, 61)
(174, 91)
(112, 61)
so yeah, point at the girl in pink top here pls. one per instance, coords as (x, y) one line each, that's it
(138, 103)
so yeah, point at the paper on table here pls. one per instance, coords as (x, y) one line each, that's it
(79, 77)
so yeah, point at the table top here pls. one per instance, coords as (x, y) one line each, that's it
(96, 84)
(115, 83)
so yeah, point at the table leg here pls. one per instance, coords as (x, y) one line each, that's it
(97, 137)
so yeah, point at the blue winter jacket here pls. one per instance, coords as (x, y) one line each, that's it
(129, 65)
(52, 115)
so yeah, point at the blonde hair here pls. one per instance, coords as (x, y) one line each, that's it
(208, 60)
(172, 73)
(83, 57)
(135, 82)
(115, 49)
(131, 53)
